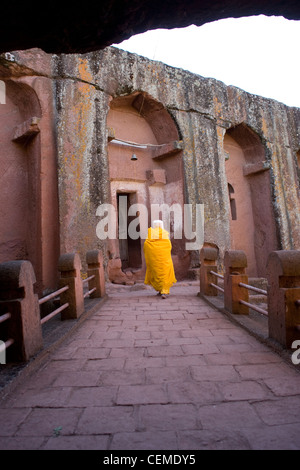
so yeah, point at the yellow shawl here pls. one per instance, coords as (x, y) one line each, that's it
(160, 270)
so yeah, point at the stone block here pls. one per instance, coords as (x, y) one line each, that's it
(17, 297)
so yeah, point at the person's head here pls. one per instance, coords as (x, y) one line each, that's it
(158, 223)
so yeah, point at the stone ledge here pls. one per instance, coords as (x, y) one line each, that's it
(253, 168)
(167, 150)
(26, 131)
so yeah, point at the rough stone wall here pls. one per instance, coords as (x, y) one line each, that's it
(203, 110)
(29, 73)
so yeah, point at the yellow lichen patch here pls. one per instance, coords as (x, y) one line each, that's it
(264, 127)
(220, 134)
(83, 70)
(218, 106)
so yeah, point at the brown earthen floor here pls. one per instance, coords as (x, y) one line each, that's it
(146, 373)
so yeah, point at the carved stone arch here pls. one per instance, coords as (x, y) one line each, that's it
(20, 159)
(232, 202)
(163, 125)
(145, 165)
(247, 170)
(250, 141)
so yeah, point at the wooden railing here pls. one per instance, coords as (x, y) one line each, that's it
(282, 296)
(24, 320)
(54, 295)
(89, 292)
(253, 306)
(4, 345)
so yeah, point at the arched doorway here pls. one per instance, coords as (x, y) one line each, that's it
(20, 230)
(145, 167)
(252, 224)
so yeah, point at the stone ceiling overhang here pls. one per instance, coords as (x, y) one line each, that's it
(70, 27)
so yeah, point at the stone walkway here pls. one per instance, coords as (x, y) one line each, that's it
(153, 374)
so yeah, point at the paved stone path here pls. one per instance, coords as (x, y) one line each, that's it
(146, 373)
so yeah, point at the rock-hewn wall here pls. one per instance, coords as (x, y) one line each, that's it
(29, 219)
(203, 109)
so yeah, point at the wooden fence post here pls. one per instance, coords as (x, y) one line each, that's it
(69, 266)
(94, 259)
(283, 274)
(235, 262)
(208, 262)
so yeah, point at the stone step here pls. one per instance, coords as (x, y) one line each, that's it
(193, 274)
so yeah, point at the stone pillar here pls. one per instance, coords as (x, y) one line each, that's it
(94, 260)
(283, 274)
(235, 262)
(17, 297)
(208, 262)
(69, 266)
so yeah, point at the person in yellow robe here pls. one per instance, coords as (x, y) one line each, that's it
(159, 265)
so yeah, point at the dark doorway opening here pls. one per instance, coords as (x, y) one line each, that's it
(130, 249)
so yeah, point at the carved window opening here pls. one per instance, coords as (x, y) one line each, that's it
(247, 172)
(232, 202)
